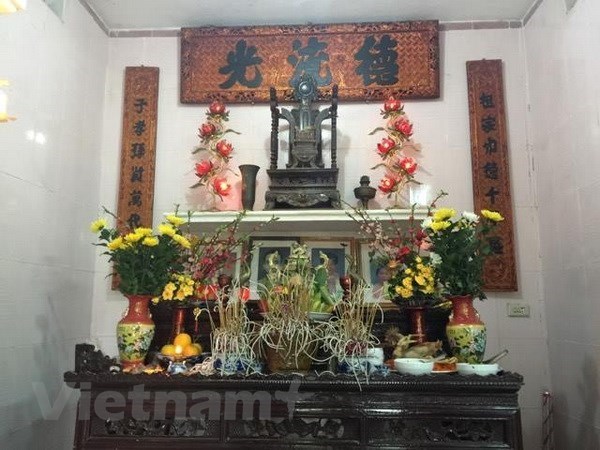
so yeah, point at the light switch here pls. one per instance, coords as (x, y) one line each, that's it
(518, 310)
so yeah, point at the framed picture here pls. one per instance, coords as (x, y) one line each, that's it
(261, 248)
(376, 275)
(337, 250)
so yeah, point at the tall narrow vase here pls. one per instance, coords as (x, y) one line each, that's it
(466, 332)
(248, 172)
(179, 320)
(135, 331)
(417, 323)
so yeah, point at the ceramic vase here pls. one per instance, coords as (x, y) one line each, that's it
(466, 332)
(135, 332)
(248, 172)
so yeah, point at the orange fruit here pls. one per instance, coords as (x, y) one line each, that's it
(168, 350)
(182, 339)
(199, 347)
(191, 350)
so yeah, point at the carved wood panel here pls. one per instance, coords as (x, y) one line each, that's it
(491, 176)
(138, 149)
(368, 61)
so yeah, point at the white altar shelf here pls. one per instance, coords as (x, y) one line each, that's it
(297, 220)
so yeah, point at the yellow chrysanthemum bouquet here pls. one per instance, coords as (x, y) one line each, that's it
(179, 288)
(416, 283)
(143, 259)
(459, 248)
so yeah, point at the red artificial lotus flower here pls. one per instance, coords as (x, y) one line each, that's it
(203, 168)
(409, 165)
(221, 186)
(388, 184)
(391, 104)
(207, 130)
(403, 126)
(224, 148)
(217, 108)
(385, 146)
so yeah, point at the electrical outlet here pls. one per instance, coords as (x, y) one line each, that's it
(518, 310)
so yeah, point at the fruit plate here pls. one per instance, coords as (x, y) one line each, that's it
(183, 359)
(445, 371)
(319, 316)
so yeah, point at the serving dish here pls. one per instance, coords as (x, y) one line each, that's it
(413, 366)
(477, 369)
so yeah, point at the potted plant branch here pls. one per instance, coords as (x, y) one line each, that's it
(287, 335)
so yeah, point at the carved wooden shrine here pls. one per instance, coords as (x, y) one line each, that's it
(440, 411)
(305, 182)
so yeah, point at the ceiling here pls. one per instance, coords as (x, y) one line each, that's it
(173, 14)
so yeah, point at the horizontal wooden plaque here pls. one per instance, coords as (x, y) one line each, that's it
(491, 178)
(368, 61)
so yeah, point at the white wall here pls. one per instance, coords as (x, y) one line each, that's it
(441, 126)
(49, 194)
(564, 69)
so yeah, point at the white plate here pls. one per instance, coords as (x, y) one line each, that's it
(445, 371)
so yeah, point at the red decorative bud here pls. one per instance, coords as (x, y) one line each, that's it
(388, 184)
(217, 108)
(207, 130)
(385, 146)
(409, 165)
(403, 126)
(203, 168)
(391, 104)
(224, 148)
(221, 186)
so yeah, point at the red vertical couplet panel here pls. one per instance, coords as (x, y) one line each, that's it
(138, 149)
(491, 177)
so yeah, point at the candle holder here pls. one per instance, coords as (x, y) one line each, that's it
(364, 192)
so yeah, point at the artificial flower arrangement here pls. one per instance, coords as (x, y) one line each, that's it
(203, 260)
(212, 169)
(290, 339)
(143, 259)
(404, 252)
(459, 247)
(394, 149)
(225, 247)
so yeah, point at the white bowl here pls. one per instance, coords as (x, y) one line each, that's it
(319, 316)
(413, 366)
(375, 355)
(477, 369)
